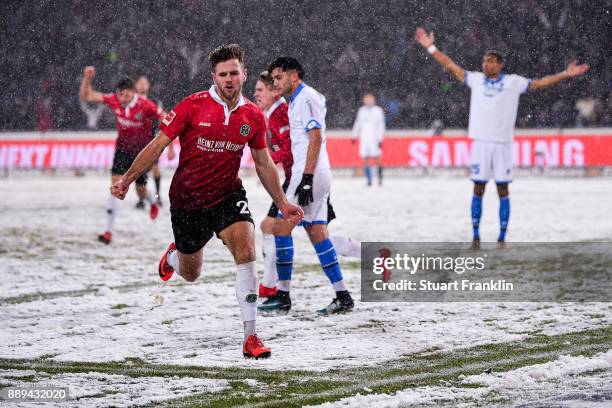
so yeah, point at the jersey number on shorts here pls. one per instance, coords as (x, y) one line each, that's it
(245, 207)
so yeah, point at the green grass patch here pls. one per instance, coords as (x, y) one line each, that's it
(291, 388)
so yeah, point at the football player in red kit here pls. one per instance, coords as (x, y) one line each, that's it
(135, 115)
(206, 194)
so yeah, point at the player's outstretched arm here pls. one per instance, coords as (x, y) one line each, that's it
(86, 92)
(427, 41)
(141, 164)
(573, 69)
(266, 170)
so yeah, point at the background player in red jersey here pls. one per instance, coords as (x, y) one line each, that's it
(206, 194)
(142, 86)
(274, 107)
(135, 116)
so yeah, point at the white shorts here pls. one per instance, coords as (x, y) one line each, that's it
(490, 159)
(368, 147)
(315, 212)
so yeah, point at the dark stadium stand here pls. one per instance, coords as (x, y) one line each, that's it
(346, 47)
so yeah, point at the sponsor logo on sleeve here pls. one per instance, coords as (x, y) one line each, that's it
(168, 119)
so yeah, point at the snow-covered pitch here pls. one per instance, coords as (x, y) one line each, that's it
(95, 318)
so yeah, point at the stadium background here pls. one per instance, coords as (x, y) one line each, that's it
(347, 48)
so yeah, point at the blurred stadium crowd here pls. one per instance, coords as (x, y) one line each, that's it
(346, 47)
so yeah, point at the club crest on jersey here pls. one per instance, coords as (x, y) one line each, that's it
(244, 130)
(169, 118)
(493, 88)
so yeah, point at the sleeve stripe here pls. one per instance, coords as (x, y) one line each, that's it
(312, 124)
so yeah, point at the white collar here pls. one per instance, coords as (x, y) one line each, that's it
(133, 101)
(131, 104)
(275, 105)
(217, 98)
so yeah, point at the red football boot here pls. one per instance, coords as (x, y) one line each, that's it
(154, 210)
(106, 238)
(165, 270)
(254, 348)
(266, 292)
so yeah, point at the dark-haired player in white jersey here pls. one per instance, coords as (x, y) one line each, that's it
(493, 108)
(309, 186)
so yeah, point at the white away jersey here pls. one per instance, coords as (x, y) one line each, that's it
(306, 112)
(369, 124)
(494, 105)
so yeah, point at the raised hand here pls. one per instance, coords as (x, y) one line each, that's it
(423, 38)
(574, 69)
(89, 72)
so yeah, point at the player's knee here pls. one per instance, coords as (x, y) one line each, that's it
(245, 254)
(317, 233)
(479, 188)
(502, 190)
(267, 226)
(190, 274)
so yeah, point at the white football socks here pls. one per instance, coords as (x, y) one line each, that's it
(173, 261)
(339, 286)
(246, 293)
(249, 328)
(111, 212)
(283, 285)
(269, 251)
(346, 246)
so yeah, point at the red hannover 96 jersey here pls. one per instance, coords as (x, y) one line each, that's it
(134, 121)
(212, 139)
(278, 126)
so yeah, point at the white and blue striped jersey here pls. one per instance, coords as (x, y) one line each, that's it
(307, 111)
(494, 105)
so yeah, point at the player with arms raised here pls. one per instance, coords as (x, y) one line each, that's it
(135, 115)
(493, 109)
(206, 194)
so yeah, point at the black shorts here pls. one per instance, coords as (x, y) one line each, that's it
(122, 162)
(194, 228)
(331, 214)
(273, 211)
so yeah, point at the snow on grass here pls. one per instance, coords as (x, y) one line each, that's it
(101, 389)
(552, 384)
(67, 297)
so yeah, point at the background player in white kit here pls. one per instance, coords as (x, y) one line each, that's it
(309, 186)
(493, 108)
(369, 127)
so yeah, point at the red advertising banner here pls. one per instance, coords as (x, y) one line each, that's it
(550, 151)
